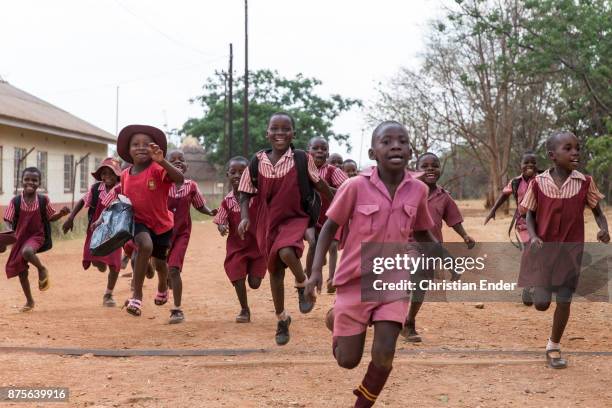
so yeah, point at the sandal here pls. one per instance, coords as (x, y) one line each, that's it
(161, 298)
(44, 284)
(555, 362)
(26, 308)
(134, 307)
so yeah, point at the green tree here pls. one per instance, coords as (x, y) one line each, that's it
(268, 93)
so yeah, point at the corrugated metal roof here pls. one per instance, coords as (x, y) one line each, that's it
(22, 110)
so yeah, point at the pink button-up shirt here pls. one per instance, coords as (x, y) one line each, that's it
(376, 217)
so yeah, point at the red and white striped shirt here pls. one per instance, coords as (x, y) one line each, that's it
(189, 187)
(9, 213)
(570, 188)
(101, 197)
(278, 170)
(337, 176)
(234, 206)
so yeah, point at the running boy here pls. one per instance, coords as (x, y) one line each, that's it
(384, 205)
(29, 215)
(243, 260)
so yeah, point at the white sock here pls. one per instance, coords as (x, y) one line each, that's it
(108, 292)
(553, 346)
(282, 316)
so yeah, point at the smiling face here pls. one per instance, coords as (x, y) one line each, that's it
(234, 172)
(529, 165)
(566, 151)
(335, 160)
(319, 150)
(280, 132)
(391, 148)
(108, 177)
(177, 159)
(30, 181)
(139, 148)
(430, 166)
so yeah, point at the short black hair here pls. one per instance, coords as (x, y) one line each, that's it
(349, 161)
(171, 152)
(239, 159)
(31, 170)
(281, 113)
(553, 140)
(316, 138)
(426, 154)
(383, 124)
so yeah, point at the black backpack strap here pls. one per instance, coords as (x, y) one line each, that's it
(515, 185)
(95, 196)
(17, 209)
(42, 207)
(301, 165)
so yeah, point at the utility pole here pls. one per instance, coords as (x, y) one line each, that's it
(245, 143)
(231, 104)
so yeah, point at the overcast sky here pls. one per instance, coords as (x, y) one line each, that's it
(75, 53)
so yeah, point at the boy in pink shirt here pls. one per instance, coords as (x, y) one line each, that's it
(384, 205)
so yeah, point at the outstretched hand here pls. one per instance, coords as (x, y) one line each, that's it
(157, 154)
(223, 229)
(243, 227)
(603, 236)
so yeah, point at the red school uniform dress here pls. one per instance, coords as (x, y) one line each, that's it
(30, 231)
(559, 219)
(442, 207)
(365, 202)
(180, 200)
(334, 177)
(281, 220)
(114, 258)
(242, 255)
(521, 223)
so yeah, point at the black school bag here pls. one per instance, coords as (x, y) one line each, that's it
(95, 195)
(310, 199)
(42, 206)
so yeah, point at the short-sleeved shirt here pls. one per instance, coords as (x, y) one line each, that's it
(101, 196)
(222, 217)
(570, 188)
(442, 207)
(9, 213)
(375, 217)
(332, 173)
(188, 189)
(148, 192)
(278, 170)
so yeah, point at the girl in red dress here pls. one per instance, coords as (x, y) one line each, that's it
(554, 204)
(281, 219)
(318, 148)
(28, 215)
(243, 260)
(180, 199)
(107, 176)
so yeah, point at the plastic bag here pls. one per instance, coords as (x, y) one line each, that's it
(116, 229)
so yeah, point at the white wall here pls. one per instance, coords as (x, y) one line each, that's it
(56, 147)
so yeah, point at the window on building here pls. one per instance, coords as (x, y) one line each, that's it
(68, 170)
(84, 174)
(41, 163)
(19, 165)
(97, 162)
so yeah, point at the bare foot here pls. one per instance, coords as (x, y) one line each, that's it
(27, 307)
(43, 279)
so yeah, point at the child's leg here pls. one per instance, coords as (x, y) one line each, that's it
(245, 314)
(177, 286)
(560, 319)
(409, 331)
(254, 282)
(311, 238)
(277, 286)
(29, 254)
(289, 257)
(108, 300)
(145, 248)
(348, 349)
(383, 352)
(161, 266)
(25, 285)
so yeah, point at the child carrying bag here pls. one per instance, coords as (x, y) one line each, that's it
(116, 229)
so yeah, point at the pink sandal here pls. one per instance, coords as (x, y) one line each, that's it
(134, 307)
(161, 298)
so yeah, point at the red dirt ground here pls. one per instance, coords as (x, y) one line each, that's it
(303, 373)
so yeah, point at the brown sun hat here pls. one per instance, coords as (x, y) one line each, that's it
(111, 164)
(123, 141)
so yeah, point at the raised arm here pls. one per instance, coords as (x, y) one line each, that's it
(498, 203)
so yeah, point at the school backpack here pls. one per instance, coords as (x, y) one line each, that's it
(42, 206)
(95, 195)
(310, 199)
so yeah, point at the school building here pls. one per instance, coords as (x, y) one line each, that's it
(65, 148)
